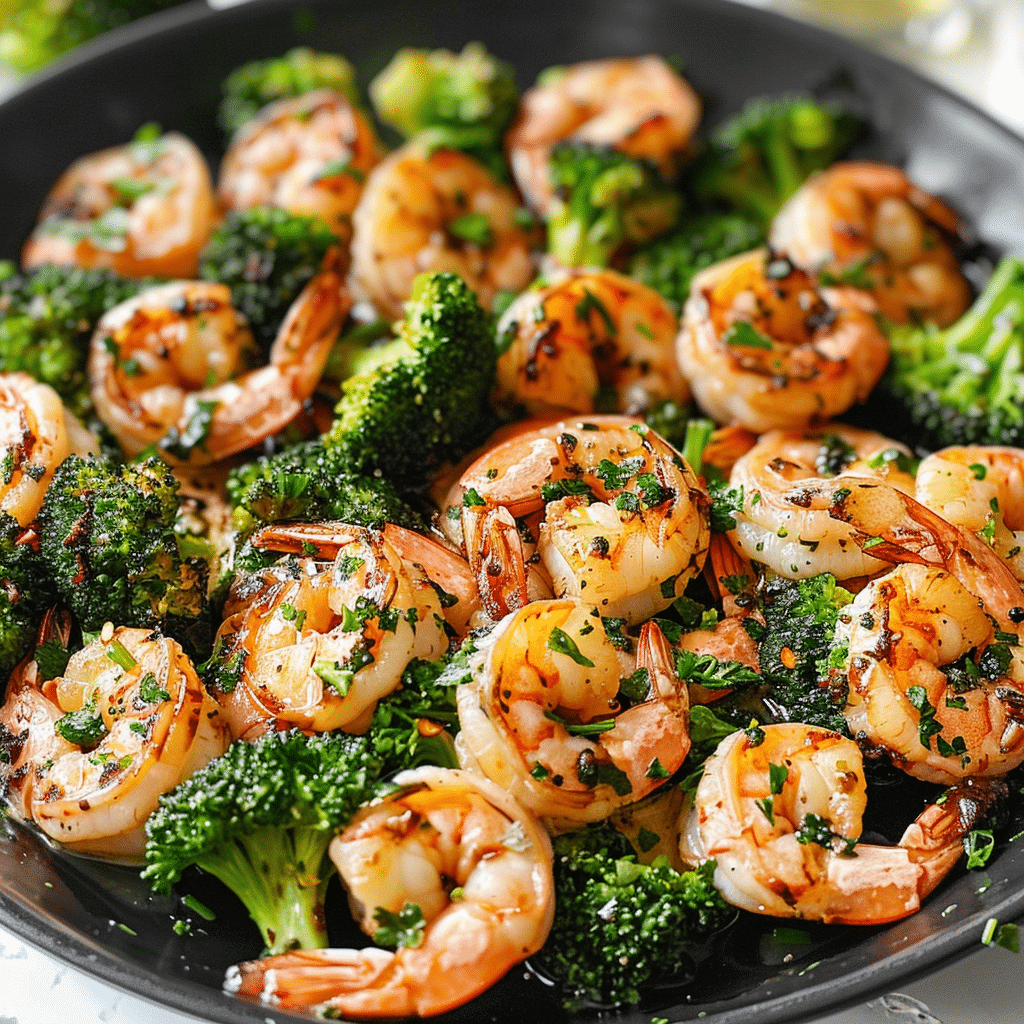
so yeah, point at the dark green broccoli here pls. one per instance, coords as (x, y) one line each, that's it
(963, 384)
(426, 400)
(461, 101)
(260, 818)
(47, 318)
(301, 70)
(265, 255)
(38, 31)
(108, 540)
(619, 924)
(798, 655)
(668, 264)
(607, 203)
(757, 159)
(26, 591)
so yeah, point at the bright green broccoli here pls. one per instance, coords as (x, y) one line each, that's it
(47, 318)
(798, 655)
(426, 400)
(260, 818)
(108, 539)
(265, 255)
(619, 924)
(668, 264)
(26, 591)
(757, 159)
(295, 73)
(461, 101)
(37, 31)
(606, 204)
(963, 384)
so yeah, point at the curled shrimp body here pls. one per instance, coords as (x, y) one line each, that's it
(763, 347)
(779, 813)
(572, 344)
(172, 368)
(133, 721)
(544, 716)
(638, 105)
(618, 518)
(309, 155)
(145, 209)
(37, 433)
(469, 857)
(869, 225)
(424, 211)
(781, 522)
(315, 642)
(981, 488)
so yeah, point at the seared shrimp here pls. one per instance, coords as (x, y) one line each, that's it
(779, 527)
(316, 642)
(980, 488)
(309, 155)
(870, 226)
(544, 675)
(592, 339)
(625, 522)
(37, 433)
(170, 368)
(92, 751)
(451, 848)
(144, 209)
(763, 347)
(779, 810)
(637, 105)
(425, 211)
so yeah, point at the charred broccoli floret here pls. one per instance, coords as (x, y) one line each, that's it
(108, 539)
(295, 73)
(425, 401)
(26, 591)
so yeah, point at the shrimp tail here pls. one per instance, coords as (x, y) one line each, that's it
(495, 552)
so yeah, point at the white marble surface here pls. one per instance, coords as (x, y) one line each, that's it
(984, 988)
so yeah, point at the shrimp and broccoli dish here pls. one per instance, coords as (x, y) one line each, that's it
(494, 526)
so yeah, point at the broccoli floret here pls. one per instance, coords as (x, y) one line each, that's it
(669, 263)
(260, 818)
(797, 653)
(38, 31)
(606, 204)
(461, 101)
(619, 924)
(47, 318)
(964, 384)
(757, 159)
(265, 255)
(26, 591)
(295, 73)
(108, 539)
(426, 401)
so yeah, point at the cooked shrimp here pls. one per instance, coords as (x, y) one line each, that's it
(763, 347)
(980, 488)
(308, 154)
(133, 720)
(625, 521)
(37, 433)
(779, 525)
(545, 715)
(425, 211)
(637, 105)
(316, 642)
(869, 225)
(780, 810)
(591, 339)
(462, 853)
(144, 209)
(169, 368)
